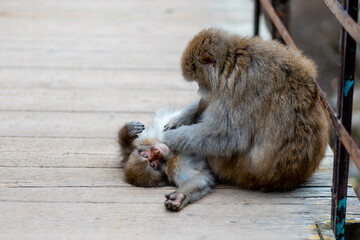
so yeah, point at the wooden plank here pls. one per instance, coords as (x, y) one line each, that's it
(81, 60)
(226, 194)
(98, 221)
(64, 159)
(112, 16)
(223, 194)
(66, 124)
(138, 28)
(93, 100)
(128, 12)
(102, 44)
(94, 79)
(118, 21)
(59, 152)
(123, 6)
(118, 45)
(92, 177)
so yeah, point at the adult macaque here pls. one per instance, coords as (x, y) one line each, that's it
(262, 126)
(149, 163)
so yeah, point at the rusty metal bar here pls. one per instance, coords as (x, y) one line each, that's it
(344, 107)
(282, 9)
(340, 130)
(343, 17)
(278, 23)
(337, 147)
(256, 17)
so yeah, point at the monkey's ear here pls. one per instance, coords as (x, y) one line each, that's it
(207, 58)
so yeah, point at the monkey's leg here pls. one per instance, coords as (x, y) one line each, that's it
(190, 191)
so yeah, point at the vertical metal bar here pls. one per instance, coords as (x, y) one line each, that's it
(344, 108)
(337, 148)
(282, 8)
(256, 17)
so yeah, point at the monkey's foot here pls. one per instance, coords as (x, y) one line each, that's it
(174, 201)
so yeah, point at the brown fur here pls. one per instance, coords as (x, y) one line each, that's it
(262, 126)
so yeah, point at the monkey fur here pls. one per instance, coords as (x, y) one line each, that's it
(149, 163)
(261, 125)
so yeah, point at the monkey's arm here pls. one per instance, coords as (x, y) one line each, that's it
(188, 115)
(126, 136)
(190, 191)
(218, 134)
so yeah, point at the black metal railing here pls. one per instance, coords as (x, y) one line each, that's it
(346, 14)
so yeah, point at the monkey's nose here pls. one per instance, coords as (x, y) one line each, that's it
(157, 152)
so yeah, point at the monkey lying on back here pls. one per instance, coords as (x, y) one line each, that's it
(262, 126)
(148, 162)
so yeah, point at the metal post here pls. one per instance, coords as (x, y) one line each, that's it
(256, 17)
(282, 8)
(344, 109)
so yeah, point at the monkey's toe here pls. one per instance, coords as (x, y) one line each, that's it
(173, 205)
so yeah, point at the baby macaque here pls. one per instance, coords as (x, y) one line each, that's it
(150, 163)
(261, 126)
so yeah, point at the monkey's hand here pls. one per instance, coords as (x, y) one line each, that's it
(131, 130)
(177, 122)
(174, 139)
(175, 201)
(188, 116)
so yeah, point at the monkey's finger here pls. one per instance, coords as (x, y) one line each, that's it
(166, 128)
(136, 130)
(139, 129)
(135, 124)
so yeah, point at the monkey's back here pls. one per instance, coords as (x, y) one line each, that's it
(289, 129)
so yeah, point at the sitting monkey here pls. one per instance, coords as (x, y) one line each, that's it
(262, 126)
(148, 162)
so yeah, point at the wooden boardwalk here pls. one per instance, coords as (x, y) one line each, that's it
(71, 72)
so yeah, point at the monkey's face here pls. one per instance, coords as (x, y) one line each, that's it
(145, 167)
(204, 57)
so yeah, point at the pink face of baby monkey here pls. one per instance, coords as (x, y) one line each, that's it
(155, 154)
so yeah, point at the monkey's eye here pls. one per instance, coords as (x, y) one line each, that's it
(144, 155)
(152, 164)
